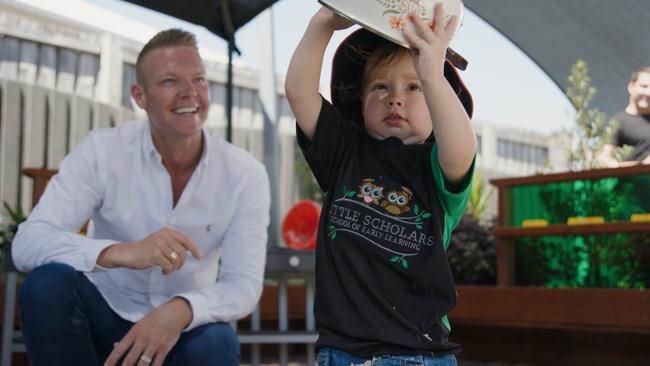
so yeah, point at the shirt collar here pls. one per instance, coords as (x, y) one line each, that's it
(150, 151)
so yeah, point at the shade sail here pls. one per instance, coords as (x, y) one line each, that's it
(220, 17)
(613, 36)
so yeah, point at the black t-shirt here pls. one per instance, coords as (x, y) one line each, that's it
(383, 282)
(634, 131)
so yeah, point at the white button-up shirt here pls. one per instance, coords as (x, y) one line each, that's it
(116, 178)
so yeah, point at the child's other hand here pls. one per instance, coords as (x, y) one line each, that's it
(332, 20)
(429, 43)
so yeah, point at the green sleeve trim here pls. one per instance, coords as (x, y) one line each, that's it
(445, 321)
(453, 203)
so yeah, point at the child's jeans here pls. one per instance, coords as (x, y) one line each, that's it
(336, 357)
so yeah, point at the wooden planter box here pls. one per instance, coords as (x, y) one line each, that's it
(586, 309)
(541, 326)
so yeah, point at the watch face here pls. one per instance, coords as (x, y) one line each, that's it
(388, 17)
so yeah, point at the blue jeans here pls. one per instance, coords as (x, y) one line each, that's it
(336, 357)
(66, 321)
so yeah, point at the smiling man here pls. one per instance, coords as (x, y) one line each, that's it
(178, 240)
(634, 120)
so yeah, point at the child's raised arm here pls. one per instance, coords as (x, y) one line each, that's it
(303, 75)
(451, 124)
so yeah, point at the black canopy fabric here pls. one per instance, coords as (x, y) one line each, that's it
(613, 36)
(221, 17)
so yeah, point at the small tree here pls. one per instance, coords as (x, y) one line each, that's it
(592, 129)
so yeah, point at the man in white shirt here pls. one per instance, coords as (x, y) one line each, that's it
(178, 240)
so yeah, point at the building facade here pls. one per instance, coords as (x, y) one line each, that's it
(62, 76)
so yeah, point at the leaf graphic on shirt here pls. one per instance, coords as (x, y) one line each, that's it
(426, 215)
(348, 194)
(400, 260)
(416, 209)
(332, 232)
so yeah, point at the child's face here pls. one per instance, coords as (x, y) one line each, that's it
(393, 103)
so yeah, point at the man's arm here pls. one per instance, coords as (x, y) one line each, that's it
(606, 157)
(51, 232)
(646, 160)
(303, 75)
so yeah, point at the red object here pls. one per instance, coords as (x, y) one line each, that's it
(300, 225)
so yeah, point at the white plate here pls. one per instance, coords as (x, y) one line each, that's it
(386, 17)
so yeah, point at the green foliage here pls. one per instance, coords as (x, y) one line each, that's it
(591, 260)
(608, 261)
(479, 196)
(16, 216)
(592, 129)
(472, 253)
(307, 186)
(8, 231)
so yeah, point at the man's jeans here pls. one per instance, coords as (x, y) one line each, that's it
(66, 321)
(336, 357)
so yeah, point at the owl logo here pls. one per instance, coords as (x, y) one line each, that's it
(369, 192)
(396, 201)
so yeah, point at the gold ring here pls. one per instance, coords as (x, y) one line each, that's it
(173, 255)
(146, 359)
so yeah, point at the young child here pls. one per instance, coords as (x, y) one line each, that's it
(383, 283)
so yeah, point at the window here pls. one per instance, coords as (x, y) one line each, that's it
(128, 78)
(48, 65)
(531, 154)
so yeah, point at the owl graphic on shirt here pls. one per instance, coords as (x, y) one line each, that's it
(370, 192)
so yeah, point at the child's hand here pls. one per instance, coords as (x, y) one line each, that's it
(332, 20)
(429, 43)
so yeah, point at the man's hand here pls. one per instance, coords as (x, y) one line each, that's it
(646, 160)
(151, 339)
(167, 248)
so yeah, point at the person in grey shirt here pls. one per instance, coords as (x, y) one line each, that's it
(634, 120)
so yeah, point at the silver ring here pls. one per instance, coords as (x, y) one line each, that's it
(146, 359)
(173, 255)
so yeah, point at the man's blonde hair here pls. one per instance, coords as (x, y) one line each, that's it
(173, 37)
